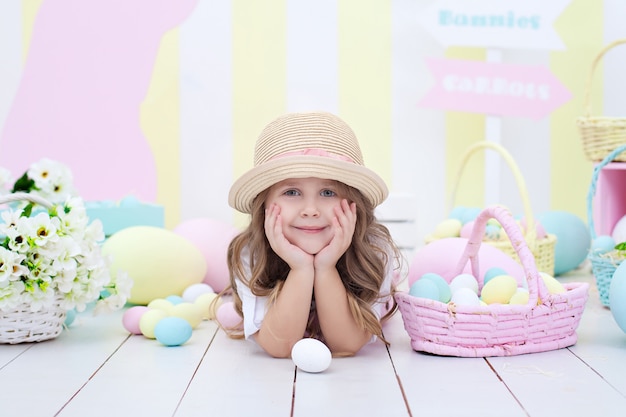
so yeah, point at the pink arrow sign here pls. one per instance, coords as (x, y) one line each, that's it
(494, 88)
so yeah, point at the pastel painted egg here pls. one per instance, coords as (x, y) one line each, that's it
(188, 311)
(173, 331)
(442, 285)
(499, 290)
(603, 244)
(573, 239)
(493, 272)
(552, 284)
(208, 305)
(70, 316)
(467, 228)
(470, 214)
(311, 355)
(149, 320)
(619, 230)
(174, 299)
(228, 317)
(160, 262)
(161, 304)
(424, 288)
(521, 296)
(539, 229)
(457, 213)
(212, 238)
(131, 317)
(464, 281)
(465, 296)
(447, 228)
(617, 296)
(193, 291)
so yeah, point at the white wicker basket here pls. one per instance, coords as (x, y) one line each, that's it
(21, 325)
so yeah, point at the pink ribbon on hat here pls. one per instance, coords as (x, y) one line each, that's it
(314, 152)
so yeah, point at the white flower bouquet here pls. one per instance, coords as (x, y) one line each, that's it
(51, 262)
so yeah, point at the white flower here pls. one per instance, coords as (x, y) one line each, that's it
(53, 253)
(52, 179)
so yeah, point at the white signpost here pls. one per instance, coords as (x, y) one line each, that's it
(495, 25)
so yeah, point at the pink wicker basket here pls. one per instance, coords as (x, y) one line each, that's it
(546, 322)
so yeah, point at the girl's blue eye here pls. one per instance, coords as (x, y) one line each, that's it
(328, 193)
(292, 193)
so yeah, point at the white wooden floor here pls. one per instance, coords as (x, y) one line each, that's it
(96, 369)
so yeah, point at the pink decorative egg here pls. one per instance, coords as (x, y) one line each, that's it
(228, 317)
(131, 317)
(212, 238)
(441, 257)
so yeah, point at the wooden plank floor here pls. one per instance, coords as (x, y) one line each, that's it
(96, 369)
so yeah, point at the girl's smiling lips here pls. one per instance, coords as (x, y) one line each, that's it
(310, 229)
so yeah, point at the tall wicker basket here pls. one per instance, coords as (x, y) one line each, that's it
(20, 324)
(601, 134)
(541, 248)
(603, 265)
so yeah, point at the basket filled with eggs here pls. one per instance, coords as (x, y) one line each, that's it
(605, 254)
(468, 313)
(461, 219)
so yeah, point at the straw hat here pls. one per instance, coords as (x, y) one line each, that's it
(303, 145)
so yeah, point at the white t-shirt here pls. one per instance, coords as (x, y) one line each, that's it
(255, 307)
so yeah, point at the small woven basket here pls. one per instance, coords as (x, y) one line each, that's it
(603, 265)
(546, 322)
(21, 325)
(600, 134)
(543, 248)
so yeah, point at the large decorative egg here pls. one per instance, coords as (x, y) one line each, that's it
(212, 238)
(159, 261)
(617, 296)
(441, 257)
(573, 239)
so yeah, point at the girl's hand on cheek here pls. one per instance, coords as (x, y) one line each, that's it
(293, 255)
(343, 225)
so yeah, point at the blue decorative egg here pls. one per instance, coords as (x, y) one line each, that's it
(617, 296)
(172, 331)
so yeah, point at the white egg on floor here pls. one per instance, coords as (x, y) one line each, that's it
(311, 355)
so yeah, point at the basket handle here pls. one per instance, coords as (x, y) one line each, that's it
(21, 196)
(531, 232)
(592, 187)
(594, 64)
(536, 287)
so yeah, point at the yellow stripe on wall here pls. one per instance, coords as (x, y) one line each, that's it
(365, 78)
(30, 8)
(463, 130)
(160, 123)
(569, 168)
(259, 76)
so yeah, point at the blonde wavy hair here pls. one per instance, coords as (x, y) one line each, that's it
(362, 268)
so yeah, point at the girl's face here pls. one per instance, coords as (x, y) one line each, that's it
(307, 211)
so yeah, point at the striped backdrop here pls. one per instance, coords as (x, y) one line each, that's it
(233, 66)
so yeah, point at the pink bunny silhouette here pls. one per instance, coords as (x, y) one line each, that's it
(87, 72)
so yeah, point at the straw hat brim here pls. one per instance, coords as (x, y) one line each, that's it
(250, 184)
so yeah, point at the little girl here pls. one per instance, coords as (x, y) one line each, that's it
(313, 262)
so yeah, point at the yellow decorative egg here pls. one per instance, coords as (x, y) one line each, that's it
(149, 320)
(188, 311)
(448, 228)
(160, 262)
(520, 297)
(554, 286)
(499, 289)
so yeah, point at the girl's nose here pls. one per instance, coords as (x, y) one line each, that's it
(310, 210)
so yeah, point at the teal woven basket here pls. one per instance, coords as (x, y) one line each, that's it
(603, 265)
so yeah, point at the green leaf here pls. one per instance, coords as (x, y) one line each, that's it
(24, 183)
(27, 210)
